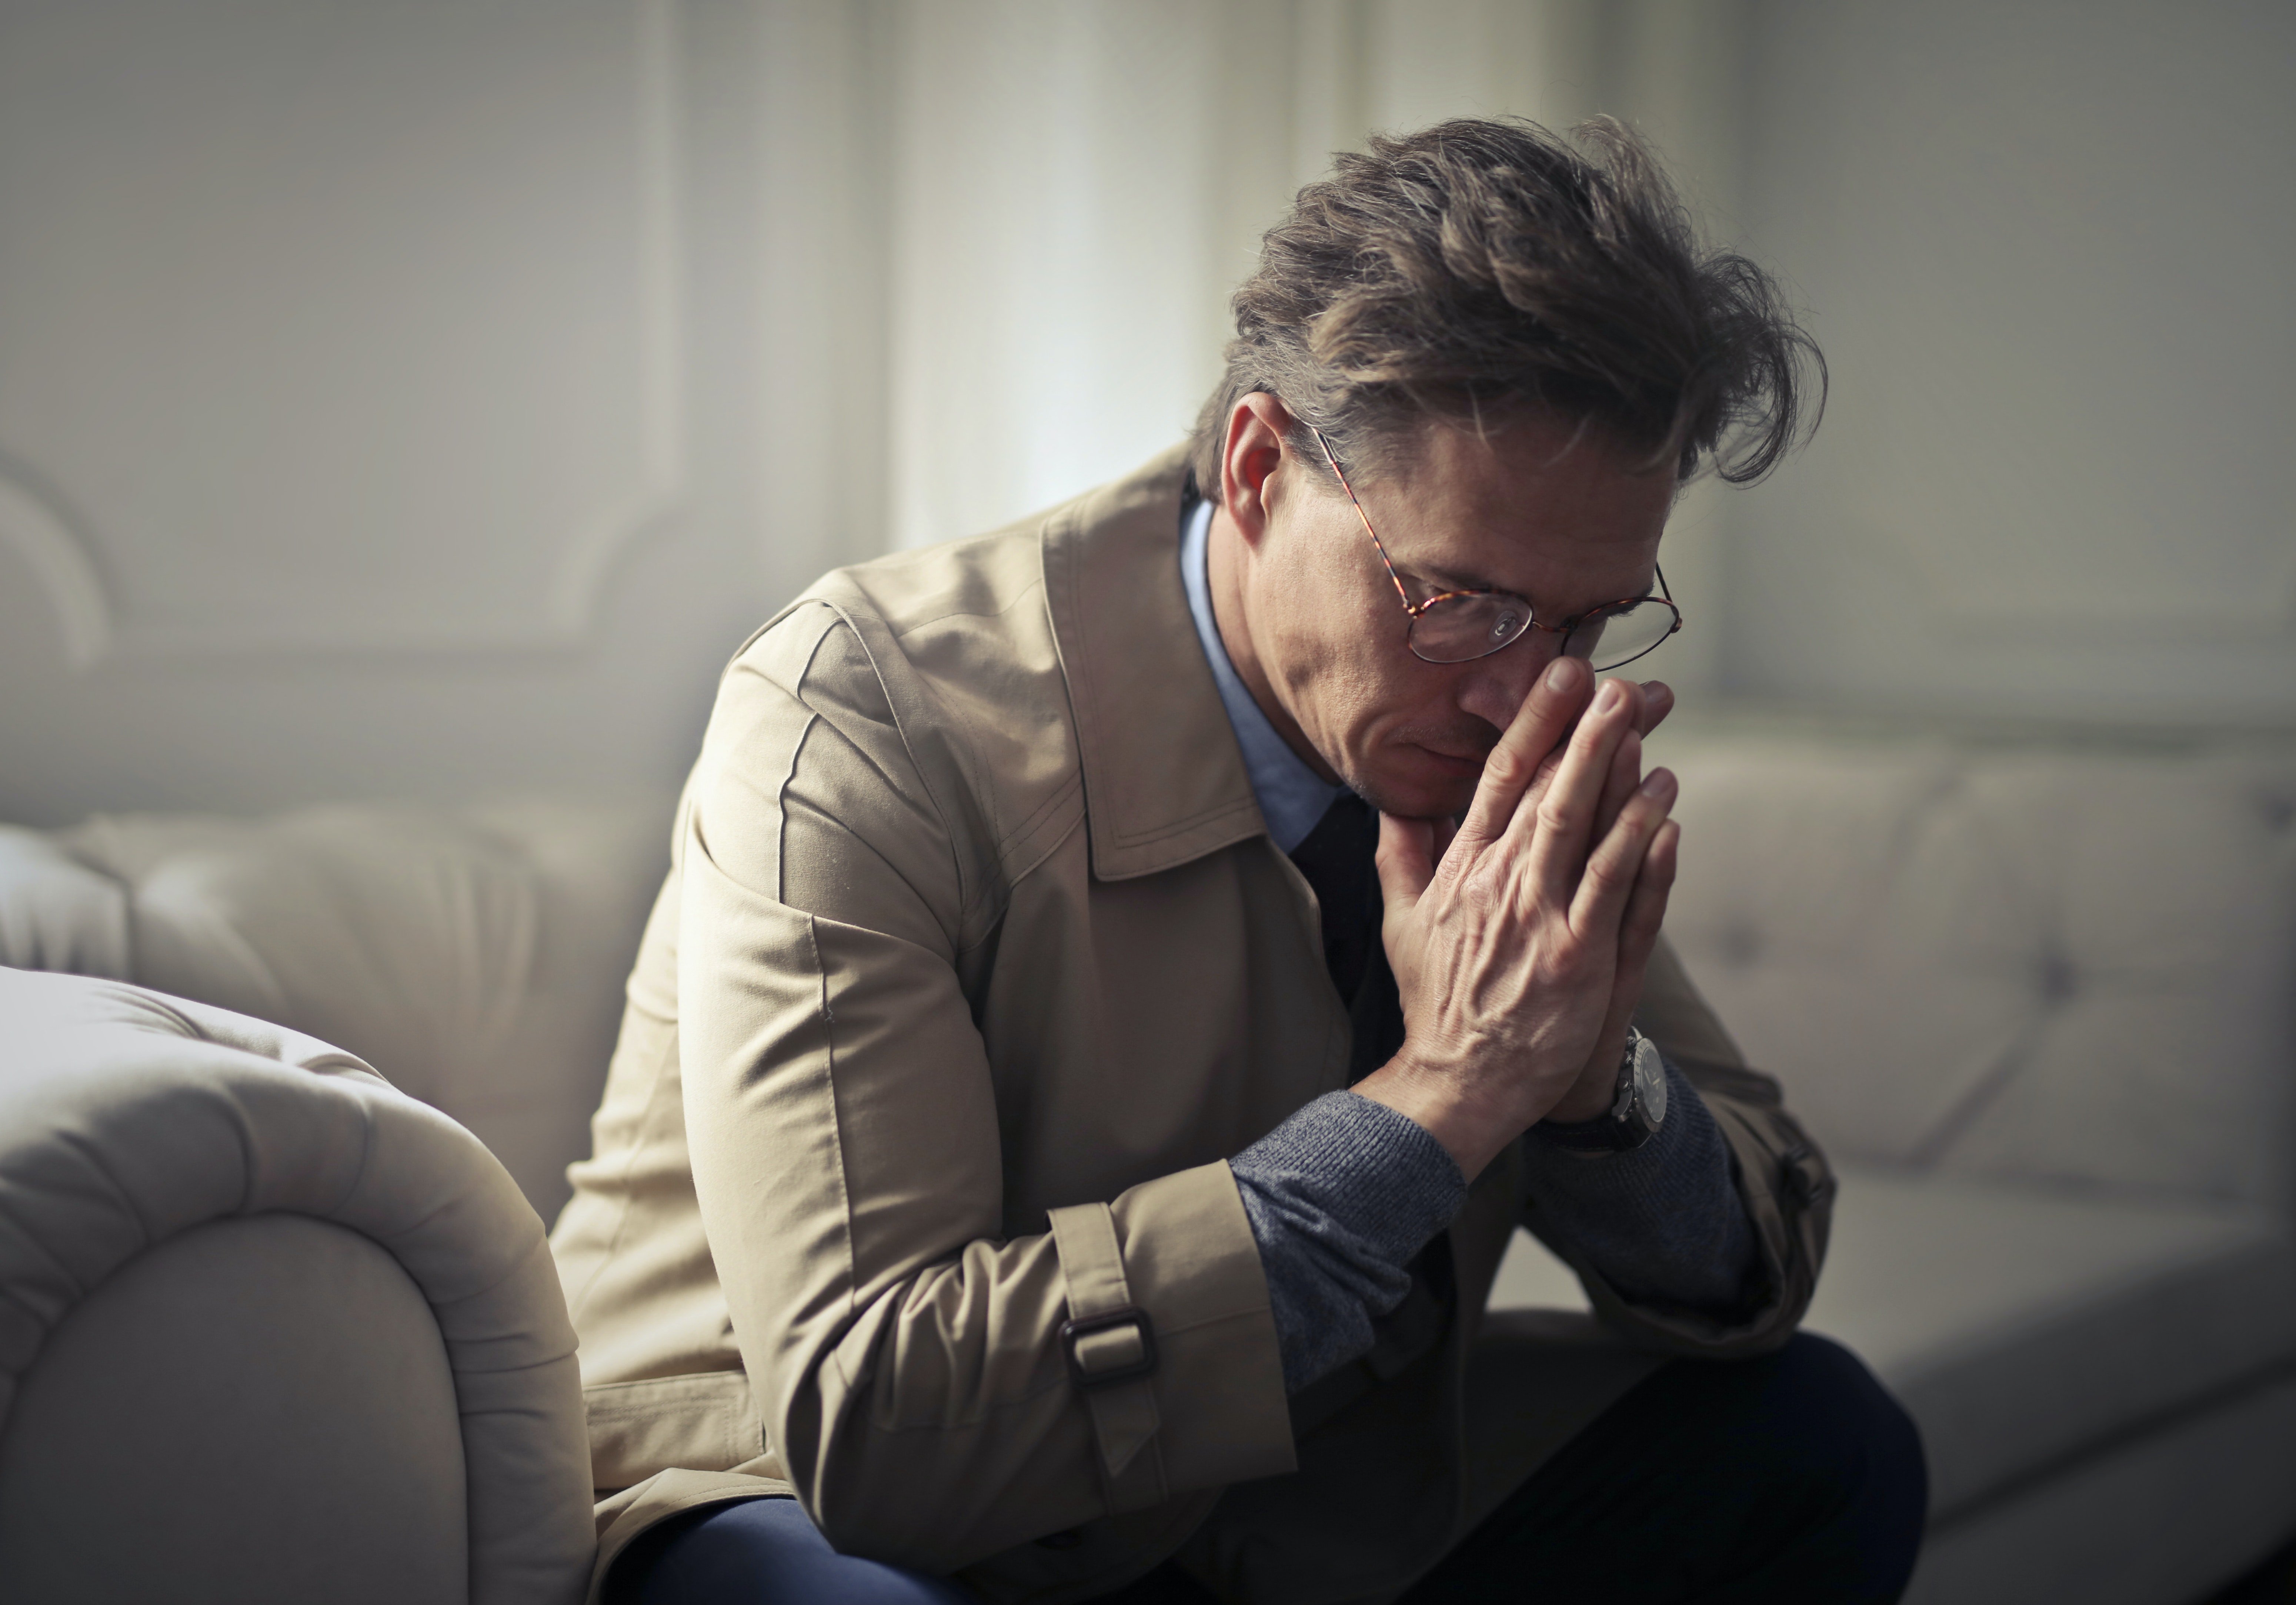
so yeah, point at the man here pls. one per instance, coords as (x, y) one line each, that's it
(1122, 981)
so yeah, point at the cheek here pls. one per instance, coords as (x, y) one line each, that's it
(1330, 637)
(1328, 677)
(1381, 699)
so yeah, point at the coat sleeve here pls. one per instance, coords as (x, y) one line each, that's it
(1783, 1180)
(846, 1156)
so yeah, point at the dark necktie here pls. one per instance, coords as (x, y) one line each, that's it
(1336, 858)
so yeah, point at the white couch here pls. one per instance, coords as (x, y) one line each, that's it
(2036, 1003)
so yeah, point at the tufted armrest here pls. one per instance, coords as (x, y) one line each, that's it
(132, 1124)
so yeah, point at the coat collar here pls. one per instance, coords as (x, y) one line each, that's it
(1164, 781)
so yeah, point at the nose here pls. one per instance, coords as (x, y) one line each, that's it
(1492, 687)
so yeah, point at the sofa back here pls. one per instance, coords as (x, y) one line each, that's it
(2074, 967)
(473, 955)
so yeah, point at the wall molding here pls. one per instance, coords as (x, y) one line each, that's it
(66, 560)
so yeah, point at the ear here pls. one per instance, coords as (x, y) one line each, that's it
(1251, 455)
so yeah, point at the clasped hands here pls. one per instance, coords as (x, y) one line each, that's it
(1519, 939)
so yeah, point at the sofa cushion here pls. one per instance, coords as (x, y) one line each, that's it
(2147, 910)
(55, 913)
(2022, 1324)
(1786, 914)
(405, 937)
(474, 956)
(2064, 966)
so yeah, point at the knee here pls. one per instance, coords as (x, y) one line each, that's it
(1829, 1410)
(1830, 1426)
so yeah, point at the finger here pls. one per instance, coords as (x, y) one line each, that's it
(1618, 785)
(1617, 859)
(1638, 934)
(1658, 702)
(1560, 696)
(1646, 911)
(1446, 831)
(1561, 828)
(1646, 719)
(1406, 860)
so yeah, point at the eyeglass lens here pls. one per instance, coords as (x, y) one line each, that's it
(1461, 628)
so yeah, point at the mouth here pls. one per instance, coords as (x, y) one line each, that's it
(1451, 765)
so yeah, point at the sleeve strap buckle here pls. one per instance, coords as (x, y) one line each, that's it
(1113, 1347)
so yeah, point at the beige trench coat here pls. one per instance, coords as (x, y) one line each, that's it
(974, 965)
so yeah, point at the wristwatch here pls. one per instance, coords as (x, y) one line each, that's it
(1635, 1113)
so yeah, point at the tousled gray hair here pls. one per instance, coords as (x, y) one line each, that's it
(1483, 267)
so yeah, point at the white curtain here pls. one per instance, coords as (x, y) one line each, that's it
(1010, 228)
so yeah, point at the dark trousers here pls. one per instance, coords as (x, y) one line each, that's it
(1794, 1478)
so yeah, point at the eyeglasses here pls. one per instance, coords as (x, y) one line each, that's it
(1457, 627)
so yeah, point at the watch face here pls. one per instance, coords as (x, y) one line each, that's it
(1649, 1080)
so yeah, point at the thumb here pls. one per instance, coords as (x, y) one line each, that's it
(1406, 862)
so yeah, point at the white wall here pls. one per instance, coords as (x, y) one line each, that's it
(377, 395)
(2048, 248)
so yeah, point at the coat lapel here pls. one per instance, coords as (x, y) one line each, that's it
(1164, 779)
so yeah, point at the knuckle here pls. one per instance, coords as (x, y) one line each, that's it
(1481, 895)
(1568, 964)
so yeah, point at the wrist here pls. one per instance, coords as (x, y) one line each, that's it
(1591, 1095)
(1596, 1089)
(1637, 1110)
(1468, 1127)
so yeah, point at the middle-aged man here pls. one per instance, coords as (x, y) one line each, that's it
(1122, 981)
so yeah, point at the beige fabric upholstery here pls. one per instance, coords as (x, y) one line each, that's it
(128, 1120)
(475, 957)
(2024, 1324)
(55, 913)
(282, 1359)
(2068, 966)
(2165, 1519)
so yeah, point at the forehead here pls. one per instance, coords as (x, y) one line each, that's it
(1543, 506)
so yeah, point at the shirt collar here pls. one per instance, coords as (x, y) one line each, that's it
(1292, 798)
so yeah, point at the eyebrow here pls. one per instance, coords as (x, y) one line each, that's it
(1448, 579)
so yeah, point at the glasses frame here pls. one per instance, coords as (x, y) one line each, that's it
(1416, 611)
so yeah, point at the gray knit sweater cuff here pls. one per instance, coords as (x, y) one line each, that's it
(1663, 1222)
(1342, 1198)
